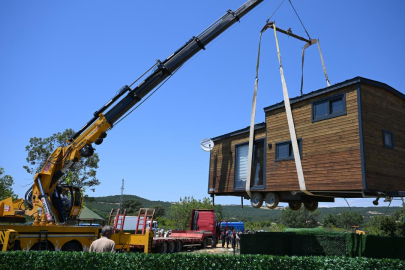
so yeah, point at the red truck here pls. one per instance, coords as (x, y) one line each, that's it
(204, 231)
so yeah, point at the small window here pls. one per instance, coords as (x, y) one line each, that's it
(329, 108)
(388, 139)
(284, 150)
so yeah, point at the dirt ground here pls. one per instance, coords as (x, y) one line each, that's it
(210, 250)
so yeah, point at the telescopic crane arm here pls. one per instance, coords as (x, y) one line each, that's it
(39, 196)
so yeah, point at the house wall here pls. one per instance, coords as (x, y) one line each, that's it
(222, 159)
(330, 148)
(382, 110)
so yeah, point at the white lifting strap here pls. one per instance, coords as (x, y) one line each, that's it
(252, 125)
(313, 41)
(291, 127)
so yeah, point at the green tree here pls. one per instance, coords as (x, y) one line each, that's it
(159, 210)
(6, 182)
(132, 207)
(81, 174)
(386, 225)
(180, 213)
(299, 219)
(344, 220)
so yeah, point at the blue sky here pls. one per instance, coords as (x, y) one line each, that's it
(61, 60)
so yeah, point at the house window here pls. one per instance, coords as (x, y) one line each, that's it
(329, 108)
(284, 150)
(241, 165)
(388, 139)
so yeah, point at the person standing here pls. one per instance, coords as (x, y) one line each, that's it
(227, 238)
(104, 244)
(223, 238)
(233, 237)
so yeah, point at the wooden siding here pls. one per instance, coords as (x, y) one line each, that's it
(222, 159)
(382, 110)
(330, 148)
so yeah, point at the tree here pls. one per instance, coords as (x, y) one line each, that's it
(344, 220)
(180, 213)
(299, 219)
(81, 174)
(159, 210)
(6, 182)
(132, 207)
(386, 225)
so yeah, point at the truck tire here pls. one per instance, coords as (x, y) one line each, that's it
(71, 247)
(256, 200)
(179, 246)
(204, 243)
(294, 205)
(311, 206)
(163, 248)
(214, 242)
(172, 247)
(43, 246)
(272, 199)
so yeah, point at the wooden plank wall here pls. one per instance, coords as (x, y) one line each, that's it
(330, 148)
(382, 110)
(222, 158)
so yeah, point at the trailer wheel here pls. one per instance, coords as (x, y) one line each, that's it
(311, 206)
(272, 199)
(257, 200)
(172, 247)
(204, 243)
(294, 205)
(71, 246)
(163, 248)
(179, 246)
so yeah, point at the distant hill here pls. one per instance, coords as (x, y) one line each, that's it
(103, 206)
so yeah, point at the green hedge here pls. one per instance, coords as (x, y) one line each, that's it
(324, 244)
(84, 260)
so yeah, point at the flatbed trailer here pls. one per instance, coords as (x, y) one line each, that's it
(181, 238)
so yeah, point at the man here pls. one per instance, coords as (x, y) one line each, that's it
(104, 244)
(228, 237)
(223, 238)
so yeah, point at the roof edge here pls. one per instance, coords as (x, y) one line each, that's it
(239, 132)
(336, 87)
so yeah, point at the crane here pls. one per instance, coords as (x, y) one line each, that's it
(45, 199)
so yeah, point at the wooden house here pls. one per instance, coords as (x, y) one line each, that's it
(351, 138)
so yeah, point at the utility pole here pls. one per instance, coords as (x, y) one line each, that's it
(122, 194)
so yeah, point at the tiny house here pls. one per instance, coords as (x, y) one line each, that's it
(351, 139)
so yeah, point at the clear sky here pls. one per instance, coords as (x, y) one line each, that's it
(62, 60)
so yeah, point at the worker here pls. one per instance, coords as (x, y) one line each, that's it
(104, 244)
(228, 237)
(223, 238)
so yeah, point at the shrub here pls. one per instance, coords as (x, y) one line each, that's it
(100, 261)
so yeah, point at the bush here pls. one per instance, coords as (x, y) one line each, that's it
(100, 261)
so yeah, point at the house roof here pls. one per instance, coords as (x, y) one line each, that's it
(314, 94)
(336, 87)
(87, 214)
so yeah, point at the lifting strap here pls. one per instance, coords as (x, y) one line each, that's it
(252, 124)
(312, 42)
(291, 126)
